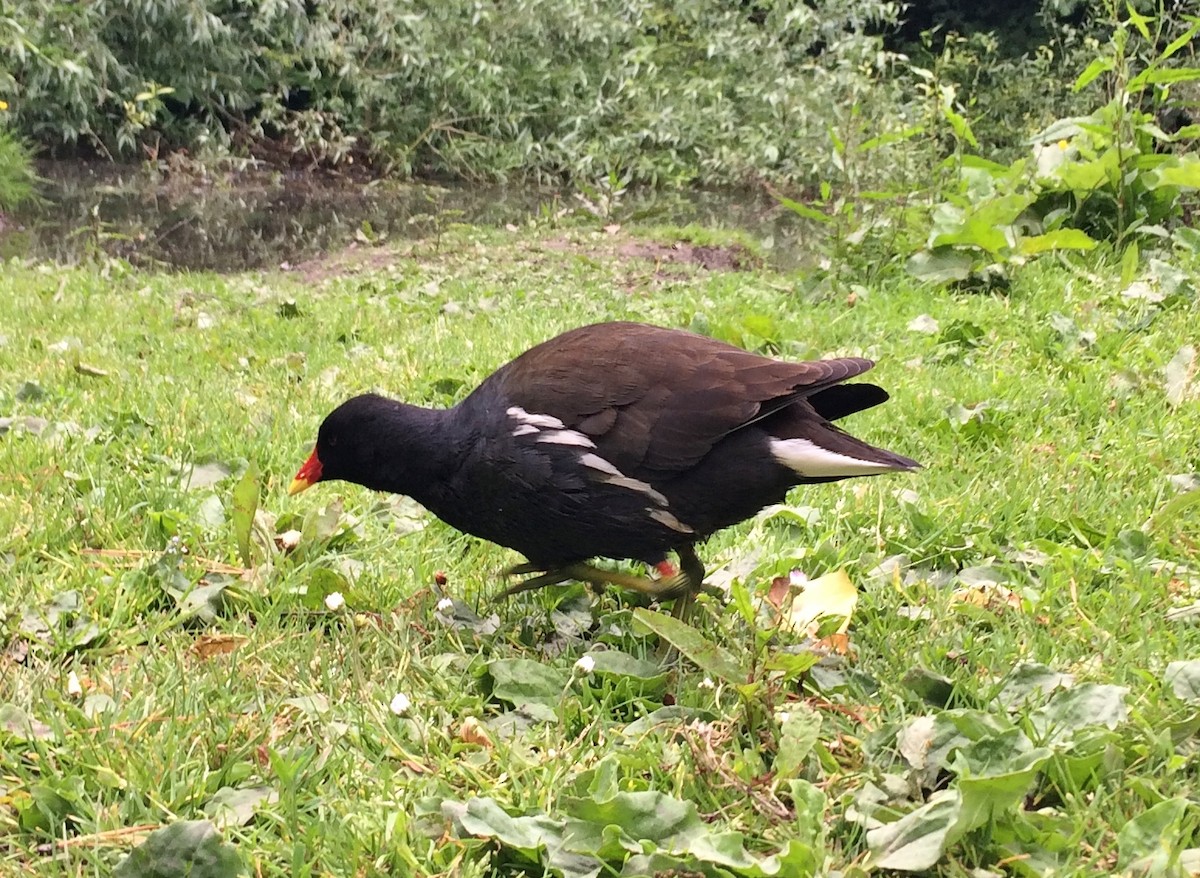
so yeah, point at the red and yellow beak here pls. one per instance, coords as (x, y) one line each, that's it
(308, 475)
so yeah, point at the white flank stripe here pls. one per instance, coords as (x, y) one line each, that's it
(595, 461)
(637, 485)
(536, 420)
(525, 430)
(567, 437)
(809, 459)
(664, 517)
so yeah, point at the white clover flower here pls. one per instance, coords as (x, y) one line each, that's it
(585, 665)
(335, 601)
(445, 605)
(707, 683)
(400, 704)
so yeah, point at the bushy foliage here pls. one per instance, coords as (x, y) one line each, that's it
(651, 90)
(17, 179)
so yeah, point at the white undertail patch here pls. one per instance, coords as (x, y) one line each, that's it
(807, 458)
(525, 430)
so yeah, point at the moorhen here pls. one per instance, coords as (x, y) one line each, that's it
(616, 440)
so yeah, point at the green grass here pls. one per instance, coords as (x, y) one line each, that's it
(1052, 490)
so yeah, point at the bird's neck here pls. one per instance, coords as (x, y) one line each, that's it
(415, 450)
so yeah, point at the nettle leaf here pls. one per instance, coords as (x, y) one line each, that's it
(710, 657)
(519, 681)
(236, 807)
(1151, 843)
(994, 774)
(1091, 704)
(1184, 679)
(189, 847)
(916, 841)
(798, 733)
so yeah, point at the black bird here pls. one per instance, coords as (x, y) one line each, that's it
(616, 440)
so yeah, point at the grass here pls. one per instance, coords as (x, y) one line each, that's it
(1036, 536)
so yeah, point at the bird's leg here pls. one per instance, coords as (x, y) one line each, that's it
(671, 583)
(691, 569)
(549, 577)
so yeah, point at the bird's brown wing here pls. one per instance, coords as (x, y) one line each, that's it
(654, 400)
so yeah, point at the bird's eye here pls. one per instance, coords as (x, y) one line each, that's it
(332, 441)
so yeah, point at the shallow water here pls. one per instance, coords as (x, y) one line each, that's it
(262, 220)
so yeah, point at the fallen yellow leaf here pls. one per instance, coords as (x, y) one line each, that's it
(830, 595)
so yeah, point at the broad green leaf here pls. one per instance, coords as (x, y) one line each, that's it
(236, 807)
(994, 774)
(527, 834)
(519, 681)
(644, 815)
(203, 602)
(245, 504)
(1098, 66)
(711, 658)
(190, 847)
(321, 524)
(1184, 679)
(1061, 239)
(19, 725)
(619, 665)
(204, 475)
(1030, 680)
(322, 582)
(1090, 704)
(936, 689)
(916, 841)
(312, 706)
(1183, 173)
(1178, 374)
(797, 735)
(1154, 839)
(211, 512)
(941, 266)
(671, 718)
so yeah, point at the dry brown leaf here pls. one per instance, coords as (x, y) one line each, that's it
(473, 732)
(217, 644)
(992, 596)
